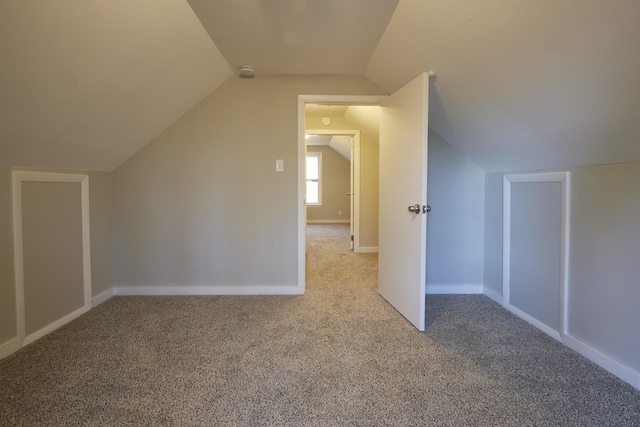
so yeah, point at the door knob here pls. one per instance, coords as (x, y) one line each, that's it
(415, 208)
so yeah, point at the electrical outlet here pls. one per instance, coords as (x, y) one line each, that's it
(339, 212)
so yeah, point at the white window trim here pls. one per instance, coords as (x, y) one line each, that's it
(317, 154)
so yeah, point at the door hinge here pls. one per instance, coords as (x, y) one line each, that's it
(352, 237)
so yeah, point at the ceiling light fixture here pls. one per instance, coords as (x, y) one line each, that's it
(247, 72)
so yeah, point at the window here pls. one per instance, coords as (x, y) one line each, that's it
(314, 179)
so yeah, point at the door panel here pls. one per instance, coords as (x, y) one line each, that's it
(403, 182)
(52, 252)
(536, 230)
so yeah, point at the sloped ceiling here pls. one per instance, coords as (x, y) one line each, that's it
(341, 144)
(85, 84)
(522, 85)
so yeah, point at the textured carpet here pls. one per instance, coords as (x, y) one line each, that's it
(338, 355)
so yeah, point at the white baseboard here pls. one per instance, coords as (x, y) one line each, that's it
(102, 297)
(9, 347)
(535, 322)
(208, 290)
(606, 362)
(616, 368)
(497, 297)
(454, 289)
(55, 325)
(328, 221)
(366, 250)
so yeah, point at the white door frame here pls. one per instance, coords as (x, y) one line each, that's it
(563, 178)
(302, 148)
(355, 183)
(18, 178)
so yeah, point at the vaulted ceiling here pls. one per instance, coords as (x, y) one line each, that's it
(520, 85)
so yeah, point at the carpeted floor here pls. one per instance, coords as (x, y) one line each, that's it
(338, 355)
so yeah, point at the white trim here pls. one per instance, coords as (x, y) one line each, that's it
(494, 295)
(462, 289)
(343, 99)
(17, 258)
(302, 204)
(564, 179)
(18, 178)
(102, 297)
(54, 325)
(9, 347)
(302, 148)
(616, 368)
(535, 322)
(328, 221)
(367, 250)
(207, 290)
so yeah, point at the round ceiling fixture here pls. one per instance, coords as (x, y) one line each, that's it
(247, 72)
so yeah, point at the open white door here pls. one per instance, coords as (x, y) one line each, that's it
(403, 186)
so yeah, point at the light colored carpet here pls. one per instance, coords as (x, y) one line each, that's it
(338, 355)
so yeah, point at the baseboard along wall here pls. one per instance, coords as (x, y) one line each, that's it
(209, 290)
(328, 221)
(606, 362)
(462, 289)
(366, 250)
(9, 347)
(102, 297)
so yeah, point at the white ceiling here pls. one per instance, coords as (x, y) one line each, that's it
(520, 85)
(296, 36)
(340, 143)
(318, 139)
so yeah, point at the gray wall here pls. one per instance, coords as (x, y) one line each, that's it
(52, 252)
(493, 235)
(7, 285)
(536, 236)
(604, 289)
(455, 226)
(202, 204)
(336, 181)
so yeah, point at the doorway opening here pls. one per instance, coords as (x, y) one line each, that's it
(333, 180)
(345, 130)
(402, 181)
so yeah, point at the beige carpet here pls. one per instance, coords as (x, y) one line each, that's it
(338, 355)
